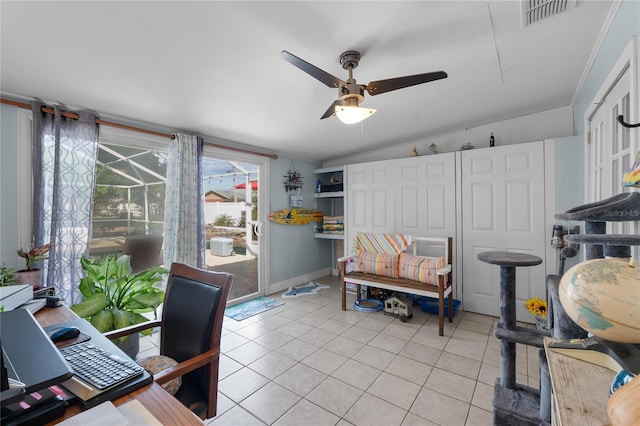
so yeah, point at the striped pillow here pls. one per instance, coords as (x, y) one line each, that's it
(420, 268)
(385, 265)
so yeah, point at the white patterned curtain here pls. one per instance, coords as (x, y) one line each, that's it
(184, 230)
(64, 164)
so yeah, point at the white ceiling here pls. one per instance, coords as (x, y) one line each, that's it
(214, 68)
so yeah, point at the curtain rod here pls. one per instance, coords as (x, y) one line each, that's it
(75, 116)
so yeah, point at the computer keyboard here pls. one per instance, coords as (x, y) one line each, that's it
(98, 367)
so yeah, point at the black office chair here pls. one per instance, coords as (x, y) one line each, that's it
(144, 250)
(191, 327)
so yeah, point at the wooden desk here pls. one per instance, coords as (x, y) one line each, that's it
(160, 403)
(580, 390)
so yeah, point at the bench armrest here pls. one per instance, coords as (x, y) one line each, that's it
(444, 271)
(345, 258)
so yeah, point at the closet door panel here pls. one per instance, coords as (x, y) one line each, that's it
(502, 210)
(411, 195)
(371, 198)
(426, 188)
(358, 216)
(438, 211)
(482, 206)
(381, 215)
(409, 216)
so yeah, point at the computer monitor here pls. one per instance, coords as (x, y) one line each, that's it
(4, 376)
(29, 357)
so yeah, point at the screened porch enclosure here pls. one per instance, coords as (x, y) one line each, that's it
(129, 200)
(128, 197)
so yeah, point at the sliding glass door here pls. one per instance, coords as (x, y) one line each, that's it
(233, 188)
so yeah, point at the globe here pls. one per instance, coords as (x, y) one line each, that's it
(603, 297)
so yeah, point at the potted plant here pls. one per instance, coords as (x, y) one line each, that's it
(32, 275)
(7, 276)
(114, 298)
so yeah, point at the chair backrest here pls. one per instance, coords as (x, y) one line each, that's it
(192, 318)
(144, 251)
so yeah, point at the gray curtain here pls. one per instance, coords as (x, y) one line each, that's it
(64, 166)
(184, 229)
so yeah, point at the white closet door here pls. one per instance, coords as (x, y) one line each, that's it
(426, 202)
(425, 194)
(502, 209)
(371, 198)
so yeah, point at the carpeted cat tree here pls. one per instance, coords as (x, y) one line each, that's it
(517, 404)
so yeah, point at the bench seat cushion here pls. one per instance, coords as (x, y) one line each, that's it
(403, 283)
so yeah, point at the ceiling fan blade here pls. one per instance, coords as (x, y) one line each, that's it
(312, 70)
(331, 110)
(383, 86)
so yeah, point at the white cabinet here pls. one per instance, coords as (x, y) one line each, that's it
(413, 196)
(487, 199)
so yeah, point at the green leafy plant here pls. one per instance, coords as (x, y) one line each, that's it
(7, 276)
(114, 297)
(223, 220)
(34, 255)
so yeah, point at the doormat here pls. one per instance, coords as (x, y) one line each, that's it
(252, 307)
(311, 288)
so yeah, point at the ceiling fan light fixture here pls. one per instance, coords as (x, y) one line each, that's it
(353, 114)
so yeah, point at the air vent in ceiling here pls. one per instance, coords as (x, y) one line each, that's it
(537, 10)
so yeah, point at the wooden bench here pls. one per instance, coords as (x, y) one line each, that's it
(403, 285)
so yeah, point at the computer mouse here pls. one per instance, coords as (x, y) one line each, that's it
(65, 333)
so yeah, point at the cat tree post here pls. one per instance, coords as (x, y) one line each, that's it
(513, 403)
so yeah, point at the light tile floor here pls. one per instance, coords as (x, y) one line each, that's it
(309, 363)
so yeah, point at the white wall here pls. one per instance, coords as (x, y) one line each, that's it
(9, 232)
(555, 123)
(295, 256)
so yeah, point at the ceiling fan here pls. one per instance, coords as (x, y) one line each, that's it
(350, 94)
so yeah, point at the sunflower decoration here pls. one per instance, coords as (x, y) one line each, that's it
(537, 307)
(632, 175)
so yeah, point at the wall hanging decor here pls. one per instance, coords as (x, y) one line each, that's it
(296, 201)
(293, 179)
(295, 216)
